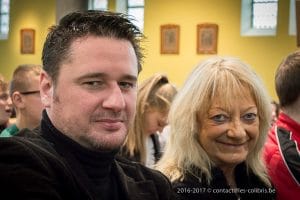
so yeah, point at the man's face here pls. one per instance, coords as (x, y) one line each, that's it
(94, 99)
(31, 107)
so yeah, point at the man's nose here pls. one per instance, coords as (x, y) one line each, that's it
(115, 99)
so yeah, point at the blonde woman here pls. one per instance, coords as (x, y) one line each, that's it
(154, 98)
(219, 121)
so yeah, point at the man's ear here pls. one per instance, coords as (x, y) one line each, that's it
(46, 89)
(17, 100)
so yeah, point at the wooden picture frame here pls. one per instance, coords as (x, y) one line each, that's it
(169, 39)
(207, 38)
(27, 41)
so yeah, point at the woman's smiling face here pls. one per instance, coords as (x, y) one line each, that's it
(229, 133)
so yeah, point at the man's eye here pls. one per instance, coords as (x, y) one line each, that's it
(249, 116)
(219, 118)
(93, 84)
(126, 85)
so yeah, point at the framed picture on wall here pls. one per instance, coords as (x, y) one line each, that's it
(169, 39)
(27, 41)
(207, 38)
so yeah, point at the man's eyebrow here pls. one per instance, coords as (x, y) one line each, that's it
(90, 75)
(103, 75)
(129, 77)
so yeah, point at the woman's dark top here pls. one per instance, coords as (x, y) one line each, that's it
(249, 186)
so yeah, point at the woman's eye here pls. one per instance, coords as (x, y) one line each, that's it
(220, 118)
(162, 123)
(249, 116)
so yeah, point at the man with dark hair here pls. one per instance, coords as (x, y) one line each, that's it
(25, 96)
(91, 61)
(282, 147)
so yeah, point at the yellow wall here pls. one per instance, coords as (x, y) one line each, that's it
(35, 14)
(263, 53)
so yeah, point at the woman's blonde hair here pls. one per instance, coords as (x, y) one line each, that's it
(155, 93)
(217, 76)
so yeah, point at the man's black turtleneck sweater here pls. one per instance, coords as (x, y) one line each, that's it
(94, 169)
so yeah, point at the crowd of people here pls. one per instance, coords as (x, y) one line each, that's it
(24, 95)
(84, 128)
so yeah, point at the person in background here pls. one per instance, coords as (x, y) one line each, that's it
(25, 96)
(275, 111)
(282, 148)
(163, 137)
(155, 95)
(218, 124)
(91, 61)
(5, 105)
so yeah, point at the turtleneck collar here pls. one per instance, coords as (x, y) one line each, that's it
(2, 127)
(96, 164)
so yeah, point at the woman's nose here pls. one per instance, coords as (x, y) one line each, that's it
(236, 129)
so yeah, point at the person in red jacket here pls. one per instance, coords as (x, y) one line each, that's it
(281, 149)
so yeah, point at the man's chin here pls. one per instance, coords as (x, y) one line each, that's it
(107, 144)
(107, 147)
